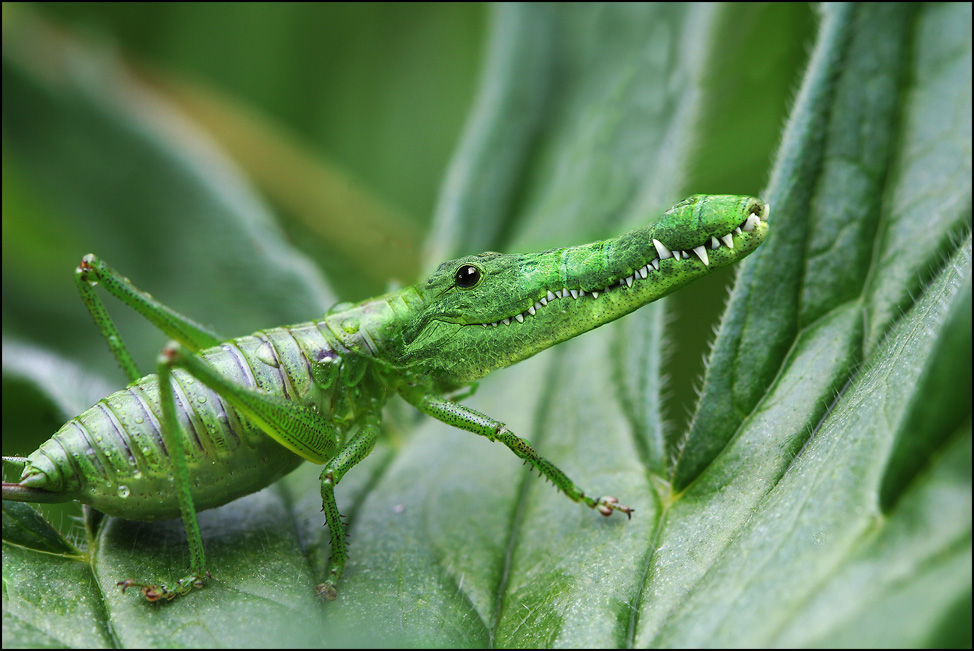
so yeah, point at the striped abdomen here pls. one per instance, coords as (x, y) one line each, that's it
(113, 458)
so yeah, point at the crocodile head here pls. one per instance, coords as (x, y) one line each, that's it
(486, 311)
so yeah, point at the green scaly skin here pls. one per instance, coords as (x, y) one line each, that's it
(455, 335)
(473, 315)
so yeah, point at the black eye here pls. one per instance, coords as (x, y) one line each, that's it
(467, 276)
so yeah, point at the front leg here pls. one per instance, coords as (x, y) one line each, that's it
(457, 415)
(353, 452)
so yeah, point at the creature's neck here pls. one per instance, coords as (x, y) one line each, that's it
(374, 326)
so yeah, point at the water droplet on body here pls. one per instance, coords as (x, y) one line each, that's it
(266, 354)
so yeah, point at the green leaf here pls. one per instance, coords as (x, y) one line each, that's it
(821, 495)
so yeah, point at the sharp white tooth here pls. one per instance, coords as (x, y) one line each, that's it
(656, 265)
(686, 255)
(737, 231)
(595, 294)
(519, 317)
(752, 221)
(629, 280)
(728, 240)
(506, 322)
(661, 249)
(644, 272)
(544, 301)
(551, 296)
(484, 324)
(494, 324)
(714, 244)
(766, 212)
(575, 294)
(702, 254)
(581, 292)
(531, 310)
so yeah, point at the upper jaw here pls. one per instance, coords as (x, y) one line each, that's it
(702, 254)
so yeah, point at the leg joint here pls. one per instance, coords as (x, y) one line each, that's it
(170, 354)
(86, 267)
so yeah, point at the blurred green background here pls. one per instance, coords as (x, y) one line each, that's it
(381, 89)
(372, 95)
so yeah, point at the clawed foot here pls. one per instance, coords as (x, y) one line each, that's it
(326, 590)
(606, 505)
(154, 592)
(329, 589)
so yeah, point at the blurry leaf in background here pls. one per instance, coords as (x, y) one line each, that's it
(368, 237)
(822, 495)
(382, 87)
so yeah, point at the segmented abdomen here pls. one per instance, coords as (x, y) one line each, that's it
(113, 457)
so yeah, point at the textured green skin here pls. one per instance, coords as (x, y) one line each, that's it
(423, 342)
(442, 344)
